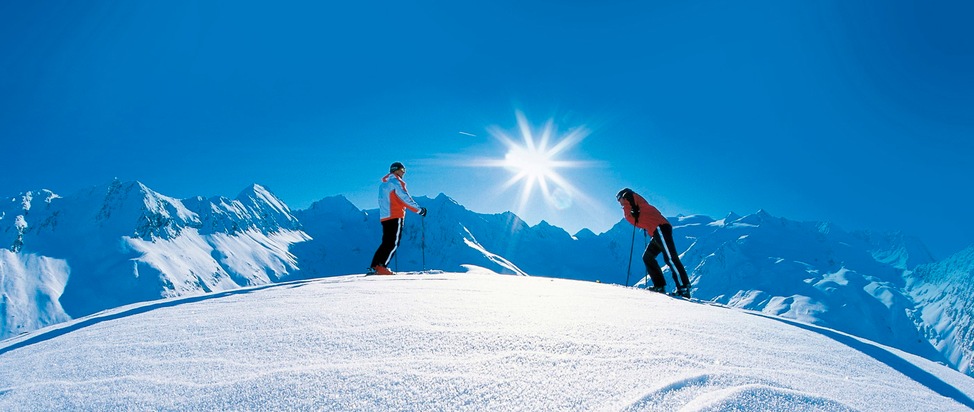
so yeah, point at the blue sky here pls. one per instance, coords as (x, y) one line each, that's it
(858, 113)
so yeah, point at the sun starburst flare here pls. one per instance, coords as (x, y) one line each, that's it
(534, 159)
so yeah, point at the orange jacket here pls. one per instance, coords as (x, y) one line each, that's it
(394, 199)
(649, 217)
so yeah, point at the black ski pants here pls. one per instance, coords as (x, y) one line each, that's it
(663, 242)
(391, 234)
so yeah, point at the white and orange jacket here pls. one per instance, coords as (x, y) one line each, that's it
(394, 199)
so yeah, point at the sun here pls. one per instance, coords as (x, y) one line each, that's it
(534, 160)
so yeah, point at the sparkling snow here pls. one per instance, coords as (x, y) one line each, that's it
(455, 342)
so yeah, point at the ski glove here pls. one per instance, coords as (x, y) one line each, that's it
(635, 213)
(422, 211)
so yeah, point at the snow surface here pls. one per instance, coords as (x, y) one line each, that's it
(29, 301)
(458, 342)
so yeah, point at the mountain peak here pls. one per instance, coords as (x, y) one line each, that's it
(330, 205)
(261, 197)
(256, 191)
(756, 219)
(134, 203)
(330, 201)
(444, 200)
(585, 234)
(546, 229)
(268, 211)
(26, 200)
(682, 220)
(128, 186)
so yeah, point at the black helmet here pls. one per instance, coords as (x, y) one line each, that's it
(624, 193)
(396, 166)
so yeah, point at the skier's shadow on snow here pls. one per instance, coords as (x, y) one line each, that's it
(142, 308)
(901, 365)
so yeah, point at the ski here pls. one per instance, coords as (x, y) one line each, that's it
(422, 272)
(676, 295)
(407, 273)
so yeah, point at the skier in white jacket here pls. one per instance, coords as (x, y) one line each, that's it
(393, 202)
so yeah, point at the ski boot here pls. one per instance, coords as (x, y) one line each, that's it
(657, 289)
(382, 270)
(683, 291)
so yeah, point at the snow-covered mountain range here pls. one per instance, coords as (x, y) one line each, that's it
(66, 257)
(111, 245)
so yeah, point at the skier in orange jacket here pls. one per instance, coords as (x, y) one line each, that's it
(644, 216)
(393, 202)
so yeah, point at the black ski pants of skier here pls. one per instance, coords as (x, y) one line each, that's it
(663, 242)
(391, 234)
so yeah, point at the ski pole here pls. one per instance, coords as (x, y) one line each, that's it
(631, 246)
(423, 243)
(646, 247)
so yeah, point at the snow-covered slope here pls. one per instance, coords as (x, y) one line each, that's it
(945, 310)
(458, 341)
(32, 286)
(122, 243)
(809, 271)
